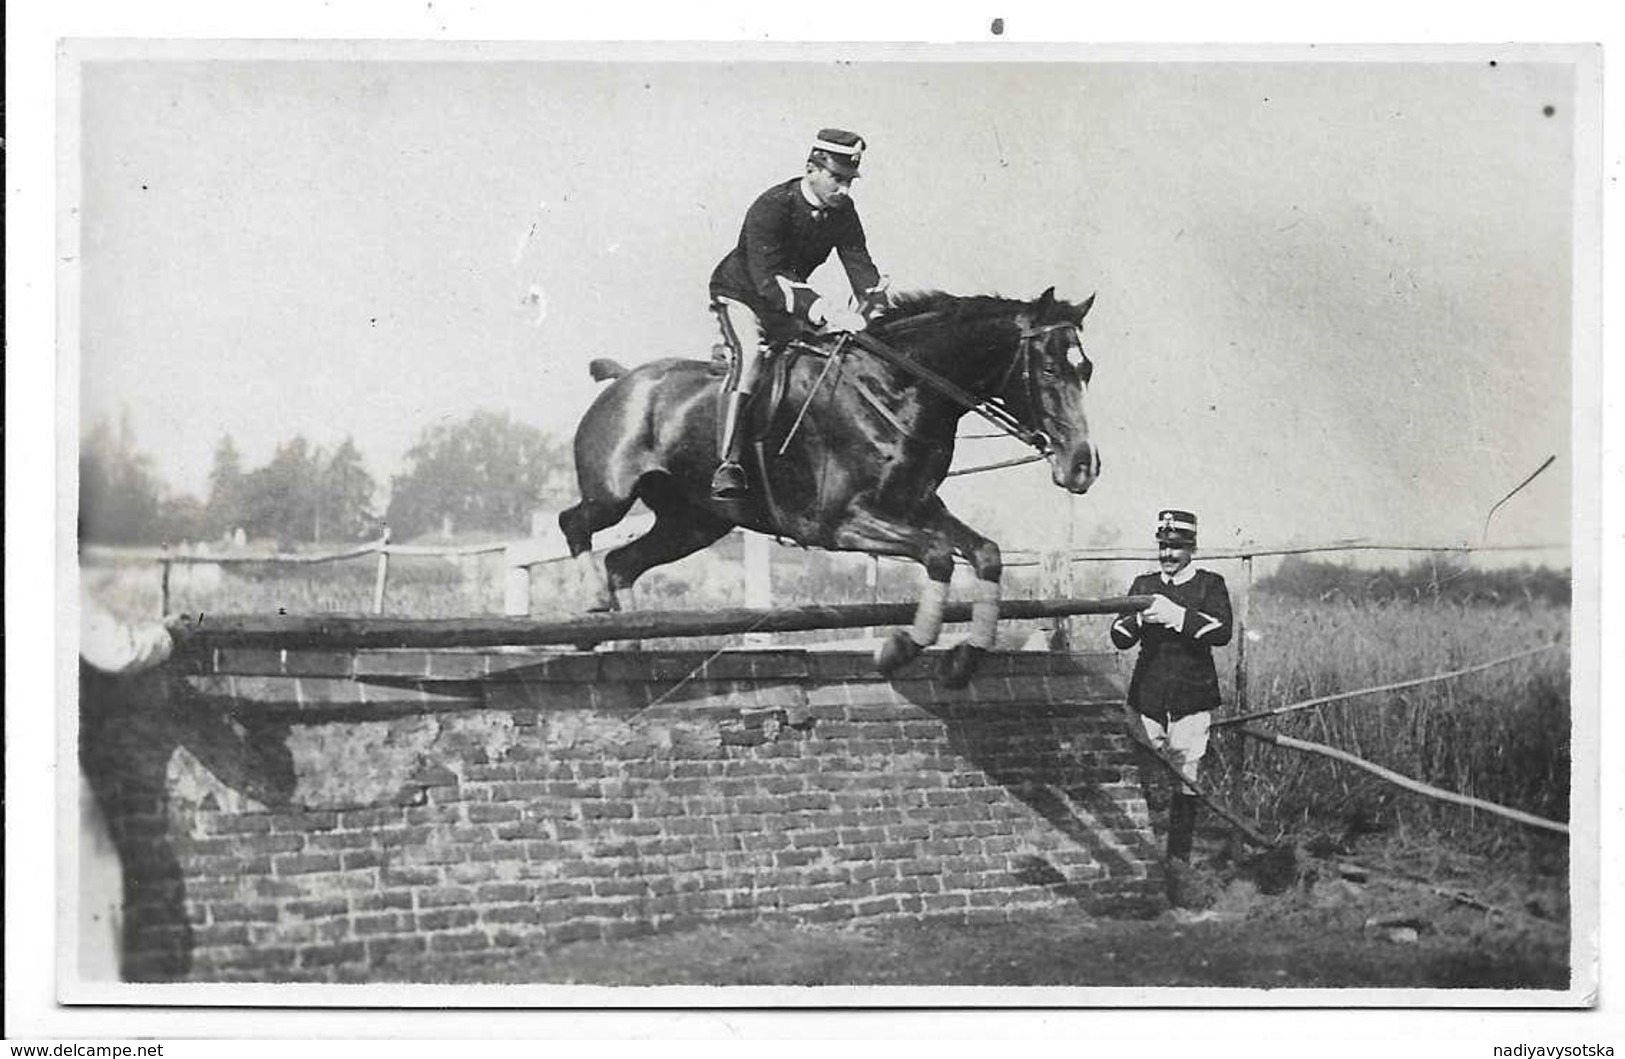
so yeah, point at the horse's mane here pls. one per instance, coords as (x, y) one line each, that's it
(912, 309)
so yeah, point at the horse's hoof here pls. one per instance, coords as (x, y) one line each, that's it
(897, 651)
(604, 605)
(961, 664)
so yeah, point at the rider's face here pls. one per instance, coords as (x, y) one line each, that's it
(827, 187)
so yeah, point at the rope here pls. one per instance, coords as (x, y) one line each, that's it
(695, 672)
(1414, 786)
(1324, 699)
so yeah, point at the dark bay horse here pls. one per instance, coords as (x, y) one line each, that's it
(866, 441)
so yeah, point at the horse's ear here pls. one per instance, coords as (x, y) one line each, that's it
(1083, 310)
(1044, 301)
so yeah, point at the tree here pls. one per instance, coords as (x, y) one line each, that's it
(279, 498)
(484, 474)
(344, 497)
(225, 507)
(119, 491)
(303, 494)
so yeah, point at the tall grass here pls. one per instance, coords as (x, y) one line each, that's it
(1501, 734)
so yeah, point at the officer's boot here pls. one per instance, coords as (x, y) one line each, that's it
(1181, 826)
(729, 482)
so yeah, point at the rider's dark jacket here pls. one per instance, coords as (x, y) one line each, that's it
(1174, 676)
(784, 238)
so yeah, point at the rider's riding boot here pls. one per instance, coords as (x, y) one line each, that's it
(729, 483)
(1181, 826)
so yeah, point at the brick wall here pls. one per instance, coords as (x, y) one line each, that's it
(331, 816)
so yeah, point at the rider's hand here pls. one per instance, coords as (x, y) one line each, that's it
(845, 320)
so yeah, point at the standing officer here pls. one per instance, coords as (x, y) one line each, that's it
(762, 284)
(1175, 686)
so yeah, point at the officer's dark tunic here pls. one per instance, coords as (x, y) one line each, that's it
(784, 238)
(1174, 676)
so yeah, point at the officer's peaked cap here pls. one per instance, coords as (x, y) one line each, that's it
(1176, 527)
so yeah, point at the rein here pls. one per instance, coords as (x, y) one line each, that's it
(989, 409)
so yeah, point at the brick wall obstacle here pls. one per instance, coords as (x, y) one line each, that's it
(299, 815)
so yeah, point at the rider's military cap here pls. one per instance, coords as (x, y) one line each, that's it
(839, 151)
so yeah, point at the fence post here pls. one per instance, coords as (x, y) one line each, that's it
(163, 584)
(515, 583)
(1236, 756)
(383, 574)
(1055, 582)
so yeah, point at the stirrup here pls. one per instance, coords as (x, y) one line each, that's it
(729, 482)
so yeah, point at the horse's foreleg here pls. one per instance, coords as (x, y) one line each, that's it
(927, 545)
(988, 562)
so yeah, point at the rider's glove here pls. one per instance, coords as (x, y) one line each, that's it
(841, 319)
(878, 297)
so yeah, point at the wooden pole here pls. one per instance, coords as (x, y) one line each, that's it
(383, 574)
(351, 632)
(1414, 786)
(1243, 831)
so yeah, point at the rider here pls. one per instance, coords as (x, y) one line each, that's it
(762, 284)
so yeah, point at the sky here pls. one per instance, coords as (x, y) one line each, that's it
(1333, 297)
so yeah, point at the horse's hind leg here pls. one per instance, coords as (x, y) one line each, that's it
(679, 530)
(578, 524)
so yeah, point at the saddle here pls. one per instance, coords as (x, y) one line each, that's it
(769, 416)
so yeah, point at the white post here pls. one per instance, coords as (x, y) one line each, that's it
(382, 577)
(758, 581)
(515, 584)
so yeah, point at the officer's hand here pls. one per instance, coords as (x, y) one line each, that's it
(1164, 611)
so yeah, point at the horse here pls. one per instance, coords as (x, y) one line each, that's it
(850, 455)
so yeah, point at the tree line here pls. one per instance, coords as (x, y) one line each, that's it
(1438, 577)
(484, 474)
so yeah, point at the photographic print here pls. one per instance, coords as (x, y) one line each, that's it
(927, 521)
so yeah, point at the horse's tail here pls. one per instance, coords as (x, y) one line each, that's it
(603, 369)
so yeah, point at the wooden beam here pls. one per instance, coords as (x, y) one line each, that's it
(343, 632)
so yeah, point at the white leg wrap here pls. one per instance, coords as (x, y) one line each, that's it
(984, 615)
(928, 615)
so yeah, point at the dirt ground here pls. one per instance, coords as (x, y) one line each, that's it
(1387, 915)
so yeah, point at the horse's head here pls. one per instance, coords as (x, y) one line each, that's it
(1045, 386)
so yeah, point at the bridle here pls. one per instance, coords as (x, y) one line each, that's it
(1028, 349)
